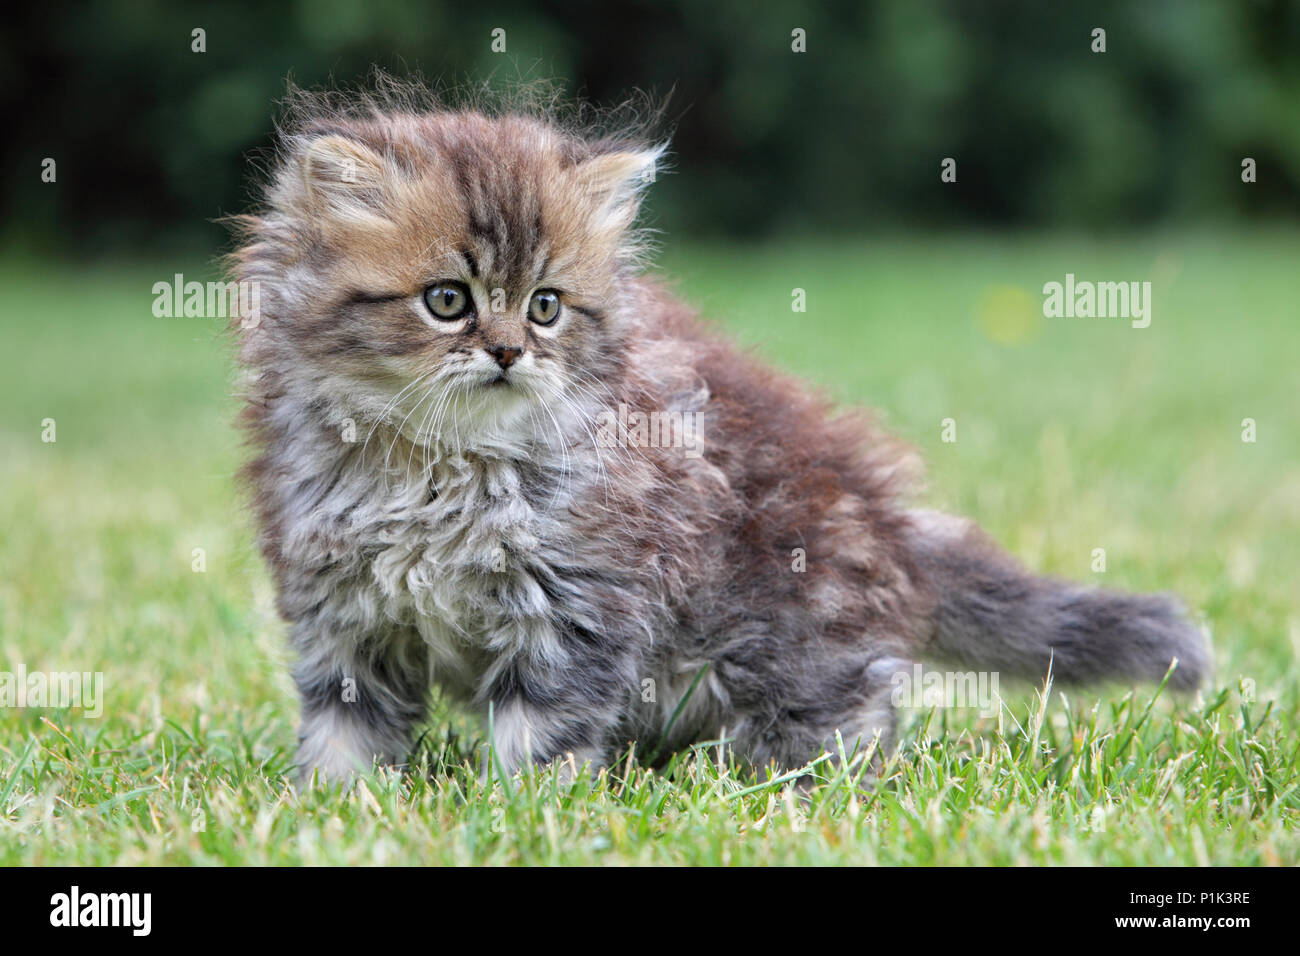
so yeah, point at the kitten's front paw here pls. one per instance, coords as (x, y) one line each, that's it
(329, 760)
(568, 767)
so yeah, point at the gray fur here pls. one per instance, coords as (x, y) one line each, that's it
(993, 614)
(475, 535)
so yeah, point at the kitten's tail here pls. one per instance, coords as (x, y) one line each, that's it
(993, 614)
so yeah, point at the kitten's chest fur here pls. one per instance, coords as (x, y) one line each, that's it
(475, 540)
(462, 550)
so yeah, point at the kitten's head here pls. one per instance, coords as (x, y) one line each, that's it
(444, 269)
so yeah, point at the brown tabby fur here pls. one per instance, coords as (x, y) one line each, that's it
(432, 518)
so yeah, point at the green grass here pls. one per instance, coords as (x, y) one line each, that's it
(1072, 435)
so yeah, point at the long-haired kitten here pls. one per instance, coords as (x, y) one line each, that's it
(495, 457)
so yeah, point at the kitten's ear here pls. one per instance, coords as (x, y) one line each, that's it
(616, 181)
(333, 174)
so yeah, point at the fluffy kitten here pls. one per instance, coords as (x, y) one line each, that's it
(454, 333)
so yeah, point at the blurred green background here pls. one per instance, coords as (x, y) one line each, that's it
(152, 139)
(816, 171)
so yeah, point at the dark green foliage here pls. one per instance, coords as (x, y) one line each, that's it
(153, 140)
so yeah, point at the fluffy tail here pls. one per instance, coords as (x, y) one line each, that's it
(994, 615)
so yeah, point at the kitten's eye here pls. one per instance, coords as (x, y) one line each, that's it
(447, 300)
(544, 307)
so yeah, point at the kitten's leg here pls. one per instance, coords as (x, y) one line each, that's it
(546, 714)
(860, 709)
(523, 733)
(360, 702)
(870, 727)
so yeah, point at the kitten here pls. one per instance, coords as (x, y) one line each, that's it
(469, 406)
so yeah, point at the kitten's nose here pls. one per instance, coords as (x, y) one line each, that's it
(504, 354)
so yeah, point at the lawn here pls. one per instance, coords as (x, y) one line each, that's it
(1072, 435)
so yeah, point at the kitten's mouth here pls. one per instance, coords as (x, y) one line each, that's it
(499, 381)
